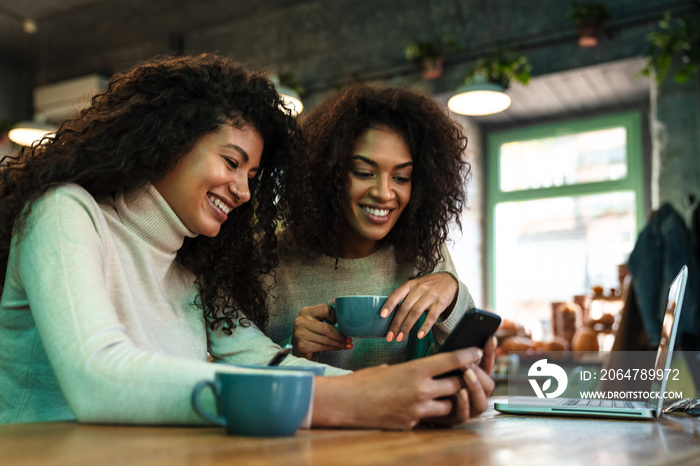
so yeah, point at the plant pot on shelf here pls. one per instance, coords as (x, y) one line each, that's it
(431, 67)
(428, 54)
(588, 34)
(589, 17)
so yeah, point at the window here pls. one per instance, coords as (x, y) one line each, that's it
(565, 204)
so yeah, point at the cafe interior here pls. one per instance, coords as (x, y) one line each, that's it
(583, 121)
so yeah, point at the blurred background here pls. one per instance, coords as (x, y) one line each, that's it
(602, 129)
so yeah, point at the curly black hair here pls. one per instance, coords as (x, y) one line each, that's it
(136, 131)
(437, 145)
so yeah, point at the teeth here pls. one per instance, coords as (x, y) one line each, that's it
(217, 202)
(376, 212)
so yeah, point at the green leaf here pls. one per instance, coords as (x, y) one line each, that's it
(676, 39)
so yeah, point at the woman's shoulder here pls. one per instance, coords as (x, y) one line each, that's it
(67, 193)
(64, 200)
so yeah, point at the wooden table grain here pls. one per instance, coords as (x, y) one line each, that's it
(491, 439)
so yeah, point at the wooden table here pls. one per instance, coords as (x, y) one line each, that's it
(493, 439)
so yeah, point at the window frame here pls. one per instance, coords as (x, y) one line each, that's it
(631, 121)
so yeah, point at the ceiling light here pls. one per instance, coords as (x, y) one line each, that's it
(29, 26)
(26, 133)
(290, 97)
(479, 98)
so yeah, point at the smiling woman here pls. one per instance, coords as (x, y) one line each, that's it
(384, 178)
(133, 242)
(114, 232)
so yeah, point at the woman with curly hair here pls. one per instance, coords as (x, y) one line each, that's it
(384, 177)
(135, 239)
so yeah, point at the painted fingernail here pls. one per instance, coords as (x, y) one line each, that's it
(471, 376)
(399, 337)
(348, 346)
(479, 353)
(389, 336)
(421, 334)
(385, 312)
(463, 394)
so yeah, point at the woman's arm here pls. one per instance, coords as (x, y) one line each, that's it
(249, 345)
(103, 375)
(402, 395)
(463, 302)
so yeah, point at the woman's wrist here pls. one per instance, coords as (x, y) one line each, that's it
(333, 404)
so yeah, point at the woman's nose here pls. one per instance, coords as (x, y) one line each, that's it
(240, 190)
(382, 189)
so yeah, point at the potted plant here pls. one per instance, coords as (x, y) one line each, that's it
(675, 40)
(429, 55)
(500, 68)
(589, 17)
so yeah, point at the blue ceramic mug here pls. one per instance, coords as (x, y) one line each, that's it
(266, 403)
(360, 316)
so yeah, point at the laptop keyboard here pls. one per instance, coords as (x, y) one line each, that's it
(600, 403)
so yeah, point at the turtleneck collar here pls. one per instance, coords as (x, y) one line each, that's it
(147, 213)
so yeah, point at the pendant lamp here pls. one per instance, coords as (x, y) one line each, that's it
(26, 133)
(479, 98)
(290, 97)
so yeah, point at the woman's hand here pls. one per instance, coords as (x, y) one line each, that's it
(434, 293)
(402, 395)
(314, 331)
(472, 400)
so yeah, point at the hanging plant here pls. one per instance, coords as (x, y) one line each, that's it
(500, 68)
(589, 18)
(429, 55)
(589, 13)
(675, 40)
(290, 80)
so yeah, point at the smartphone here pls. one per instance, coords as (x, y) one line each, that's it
(475, 329)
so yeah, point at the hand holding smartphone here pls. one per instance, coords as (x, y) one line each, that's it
(475, 329)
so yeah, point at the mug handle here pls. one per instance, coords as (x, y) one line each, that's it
(197, 405)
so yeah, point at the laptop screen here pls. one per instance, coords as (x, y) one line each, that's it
(669, 330)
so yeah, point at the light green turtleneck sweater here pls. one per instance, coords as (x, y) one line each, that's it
(96, 316)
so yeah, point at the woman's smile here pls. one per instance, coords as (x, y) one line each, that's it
(376, 215)
(221, 207)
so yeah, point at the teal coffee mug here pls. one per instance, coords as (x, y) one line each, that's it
(360, 316)
(264, 403)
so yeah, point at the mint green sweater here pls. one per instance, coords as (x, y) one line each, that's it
(305, 279)
(96, 316)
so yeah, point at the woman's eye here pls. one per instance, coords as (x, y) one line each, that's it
(402, 179)
(232, 163)
(362, 175)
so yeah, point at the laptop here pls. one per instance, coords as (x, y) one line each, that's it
(602, 408)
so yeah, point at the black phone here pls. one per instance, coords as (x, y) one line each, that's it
(475, 329)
